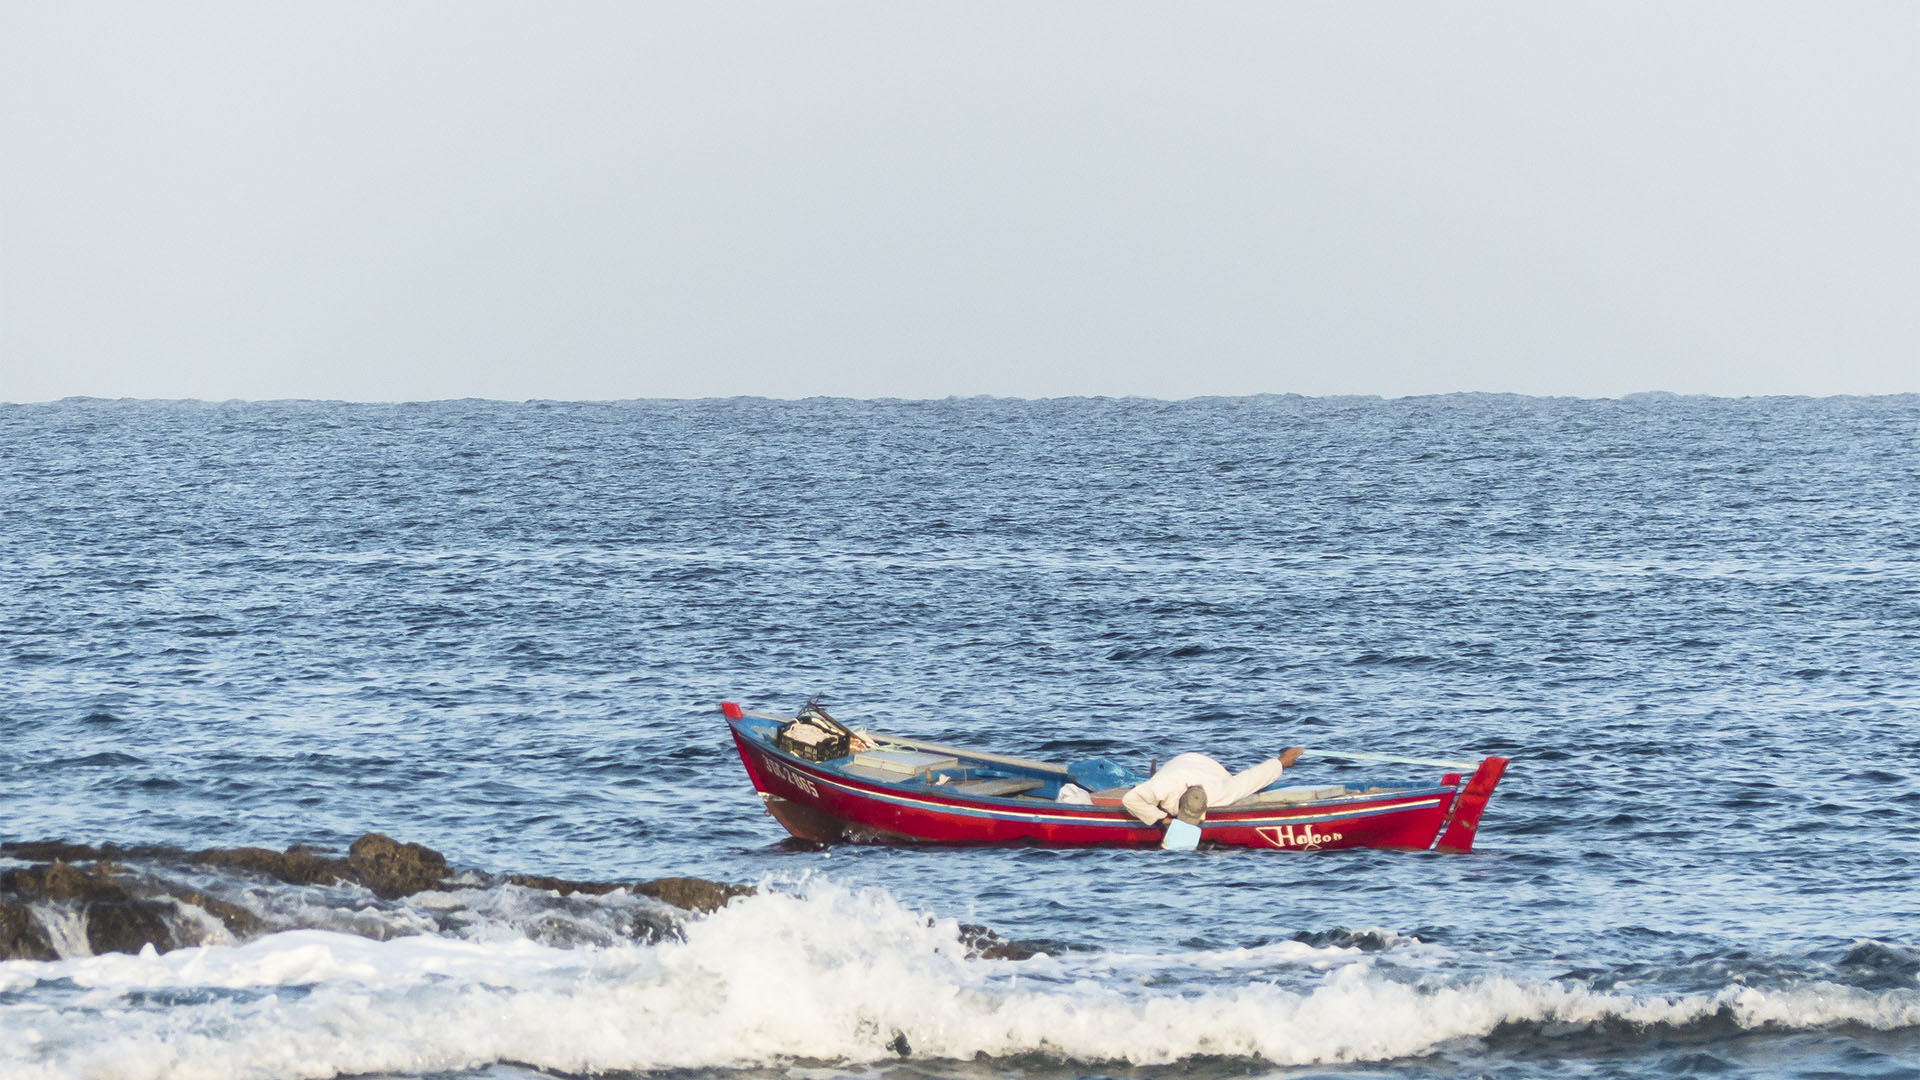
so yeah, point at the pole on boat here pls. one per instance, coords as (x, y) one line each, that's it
(1389, 759)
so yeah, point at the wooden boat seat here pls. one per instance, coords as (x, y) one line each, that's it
(1008, 785)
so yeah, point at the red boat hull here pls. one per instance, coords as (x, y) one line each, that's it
(823, 805)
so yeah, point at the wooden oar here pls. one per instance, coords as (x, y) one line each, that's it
(961, 752)
(1048, 767)
(883, 741)
(1389, 759)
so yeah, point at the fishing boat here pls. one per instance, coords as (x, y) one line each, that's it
(829, 783)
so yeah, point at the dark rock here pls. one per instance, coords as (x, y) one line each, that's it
(20, 935)
(694, 894)
(1340, 937)
(982, 942)
(292, 867)
(151, 904)
(562, 885)
(392, 869)
(61, 881)
(130, 926)
(240, 922)
(650, 928)
(900, 1045)
(49, 851)
(141, 851)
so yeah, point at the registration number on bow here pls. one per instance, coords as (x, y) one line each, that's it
(792, 776)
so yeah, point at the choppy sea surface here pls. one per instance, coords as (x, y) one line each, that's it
(503, 630)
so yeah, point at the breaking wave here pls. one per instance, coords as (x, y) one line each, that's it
(821, 974)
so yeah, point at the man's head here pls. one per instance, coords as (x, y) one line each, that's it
(1193, 805)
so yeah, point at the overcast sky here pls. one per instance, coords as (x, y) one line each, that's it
(392, 200)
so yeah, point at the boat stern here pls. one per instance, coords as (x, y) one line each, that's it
(1456, 837)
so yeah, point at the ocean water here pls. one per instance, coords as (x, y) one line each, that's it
(503, 631)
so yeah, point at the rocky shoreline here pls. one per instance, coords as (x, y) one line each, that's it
(126, 899)
(72, 899)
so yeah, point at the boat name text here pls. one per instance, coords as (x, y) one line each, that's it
(1285, 836)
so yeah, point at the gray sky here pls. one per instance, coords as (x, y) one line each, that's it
(389, 200)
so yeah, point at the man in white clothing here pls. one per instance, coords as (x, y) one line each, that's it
(1163, 795)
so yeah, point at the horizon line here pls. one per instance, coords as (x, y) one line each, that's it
(893, 399)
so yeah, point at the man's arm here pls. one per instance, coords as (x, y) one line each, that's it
(1243, 784)
(1140, 802)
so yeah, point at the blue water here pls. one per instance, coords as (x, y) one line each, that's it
(503, 630)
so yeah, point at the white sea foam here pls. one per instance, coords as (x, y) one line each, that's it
(831, 975)
(65, 927)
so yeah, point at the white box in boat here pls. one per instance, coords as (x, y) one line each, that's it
(904, 763)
